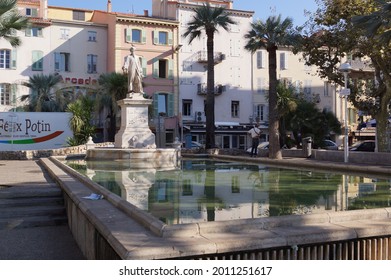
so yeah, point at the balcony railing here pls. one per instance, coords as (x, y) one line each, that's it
(202, 89)
(202, 57)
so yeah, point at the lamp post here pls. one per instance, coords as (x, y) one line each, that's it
(345, 69)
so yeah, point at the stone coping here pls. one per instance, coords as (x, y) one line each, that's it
(135, 234)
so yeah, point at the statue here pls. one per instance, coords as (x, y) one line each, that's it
(134, 70)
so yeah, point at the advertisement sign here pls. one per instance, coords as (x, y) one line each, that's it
(34, 131)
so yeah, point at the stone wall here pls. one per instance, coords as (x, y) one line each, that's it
(36, 154)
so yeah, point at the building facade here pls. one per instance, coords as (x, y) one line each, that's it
(233, 94)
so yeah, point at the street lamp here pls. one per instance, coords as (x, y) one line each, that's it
(345, 69)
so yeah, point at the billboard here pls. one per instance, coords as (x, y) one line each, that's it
(34, 131)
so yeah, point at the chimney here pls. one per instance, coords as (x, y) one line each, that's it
(43, 9)
(109, 6)
(146, 13)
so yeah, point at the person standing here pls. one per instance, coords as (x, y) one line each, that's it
(132, 67)
(254, 133)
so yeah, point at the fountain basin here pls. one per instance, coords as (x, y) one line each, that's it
(136, 158)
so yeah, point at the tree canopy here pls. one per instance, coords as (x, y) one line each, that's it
(11, 21)
(333, 34)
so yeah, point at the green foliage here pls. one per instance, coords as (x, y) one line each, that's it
(270, 35)
(113, 87)
(11, 21)
(359, 28)
(43, 95)
(308, 120)
(82, 112)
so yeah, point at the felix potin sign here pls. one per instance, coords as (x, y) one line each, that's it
(33, 131)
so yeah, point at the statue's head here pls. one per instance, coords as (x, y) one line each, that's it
(132, 48)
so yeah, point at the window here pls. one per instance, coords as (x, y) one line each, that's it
(186, 107)
(260, 59)
(234, 47)
(33, 32)
(91, 62)
(135, 36)
(163, 103)
(260, 112)
(64, 33)
(5, 59)
(307, 86)
(5, 93)
(92, 36)
(37, 57)
(235, 109)
(30, 12)
(163, 68)
(79, 15)
(162, 38)
(283, 61)
(261, 85)
(327, 89)
(62, 61)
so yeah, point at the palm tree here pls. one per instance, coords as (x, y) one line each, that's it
(82, 112)
(270, 35)
(10, 21)
(209, 19)
(286, 103)
(42, 97)
(113, 87)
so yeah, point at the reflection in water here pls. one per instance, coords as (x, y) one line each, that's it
(206, 190)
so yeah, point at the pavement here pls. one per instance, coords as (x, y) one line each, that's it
(35, 243)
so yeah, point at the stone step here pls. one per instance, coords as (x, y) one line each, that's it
(32, 211)
(29, 222)
(31, 201)
(19, 192)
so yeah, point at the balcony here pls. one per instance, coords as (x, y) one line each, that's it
(202, 89)
(202, 57)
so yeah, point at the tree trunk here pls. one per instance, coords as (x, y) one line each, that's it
(210, 96)
(274, 136)
(382, 133)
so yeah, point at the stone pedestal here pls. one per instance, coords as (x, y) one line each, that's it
(134, 131)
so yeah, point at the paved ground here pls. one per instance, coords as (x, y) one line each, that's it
(38, 243)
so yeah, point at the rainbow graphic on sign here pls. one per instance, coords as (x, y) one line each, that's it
(33, 140)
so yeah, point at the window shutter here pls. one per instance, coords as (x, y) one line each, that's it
(170, 38)
(13, 58)
(155, 68)
(170, 104)
(37, 60)
(259, 59)
(28, 32)
(155, 37)
(128, 35)
(143, 37)
(155, 105)
(144, 66)
(170, 69)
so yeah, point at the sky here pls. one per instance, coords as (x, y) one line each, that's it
(262, 8)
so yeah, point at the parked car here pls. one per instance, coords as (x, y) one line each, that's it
(329, 145)
(194, 145)
(363, 146)
(261, 146)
